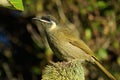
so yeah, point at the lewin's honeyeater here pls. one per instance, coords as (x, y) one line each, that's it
(66, 45)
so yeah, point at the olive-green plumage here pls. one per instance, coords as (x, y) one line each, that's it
(66, 45)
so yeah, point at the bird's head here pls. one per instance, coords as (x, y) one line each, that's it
(48, 22)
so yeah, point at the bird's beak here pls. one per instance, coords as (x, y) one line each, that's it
(39, 19)
(36, 18)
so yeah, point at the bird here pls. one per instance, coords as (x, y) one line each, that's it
(66, 45)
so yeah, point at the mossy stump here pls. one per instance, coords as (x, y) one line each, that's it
(72, 70)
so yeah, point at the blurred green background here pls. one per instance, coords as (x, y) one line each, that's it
(24, 51)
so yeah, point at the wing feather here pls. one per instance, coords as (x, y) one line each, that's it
(80, 44)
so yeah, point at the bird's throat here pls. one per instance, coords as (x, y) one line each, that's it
(53, 26)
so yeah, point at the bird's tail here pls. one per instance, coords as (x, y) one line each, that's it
(104, 70)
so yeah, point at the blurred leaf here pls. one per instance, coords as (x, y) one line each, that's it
(110, 13)
(101, 4)
(118, 28)
(88, 34)
(96, 24)
(90, 8)
(102, 54)
(40, 5)
(118, 60)
(116, 44)
(17, 4)
(36, 70)
(83, 11)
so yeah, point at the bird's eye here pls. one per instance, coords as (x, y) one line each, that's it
(46, 19)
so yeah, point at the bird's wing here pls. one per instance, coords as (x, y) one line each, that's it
(75, 41)
(80, 44)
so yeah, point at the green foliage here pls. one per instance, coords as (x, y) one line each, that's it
(102, 54)
(90, 8)
(88, 34)
(116, 44)
(101, 4)
(118, 60)
(17, 4)
(36, 70)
